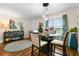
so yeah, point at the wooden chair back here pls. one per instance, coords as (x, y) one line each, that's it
(35, 39)
(65, 44)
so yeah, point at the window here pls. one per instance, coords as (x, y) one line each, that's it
(57, 25)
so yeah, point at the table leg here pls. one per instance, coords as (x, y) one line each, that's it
(49, 49)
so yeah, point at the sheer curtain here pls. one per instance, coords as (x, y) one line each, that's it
(56, 24)
(59, 24)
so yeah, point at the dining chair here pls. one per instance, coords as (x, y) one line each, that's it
(60, 45)
(36, 42)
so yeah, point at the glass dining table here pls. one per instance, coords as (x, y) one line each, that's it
(48, 39)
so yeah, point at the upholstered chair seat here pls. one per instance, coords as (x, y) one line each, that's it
(62, 44)
(42, 43)
(58, 42)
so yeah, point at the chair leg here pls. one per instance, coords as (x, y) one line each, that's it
(53, 49)
(39, 51)
(64, 51)
(32, 51)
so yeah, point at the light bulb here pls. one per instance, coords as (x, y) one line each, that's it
(46, 18)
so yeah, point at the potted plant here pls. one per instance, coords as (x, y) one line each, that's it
(74, 29)
(40, 29)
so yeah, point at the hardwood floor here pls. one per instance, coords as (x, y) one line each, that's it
(27, 52)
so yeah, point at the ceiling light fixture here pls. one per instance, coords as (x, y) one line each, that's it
(45, 5)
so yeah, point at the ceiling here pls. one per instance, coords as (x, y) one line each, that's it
(33, 10)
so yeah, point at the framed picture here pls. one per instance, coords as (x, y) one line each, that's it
(12, 24)
(21, 25)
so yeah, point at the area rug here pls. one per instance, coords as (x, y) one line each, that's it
(18, 45)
